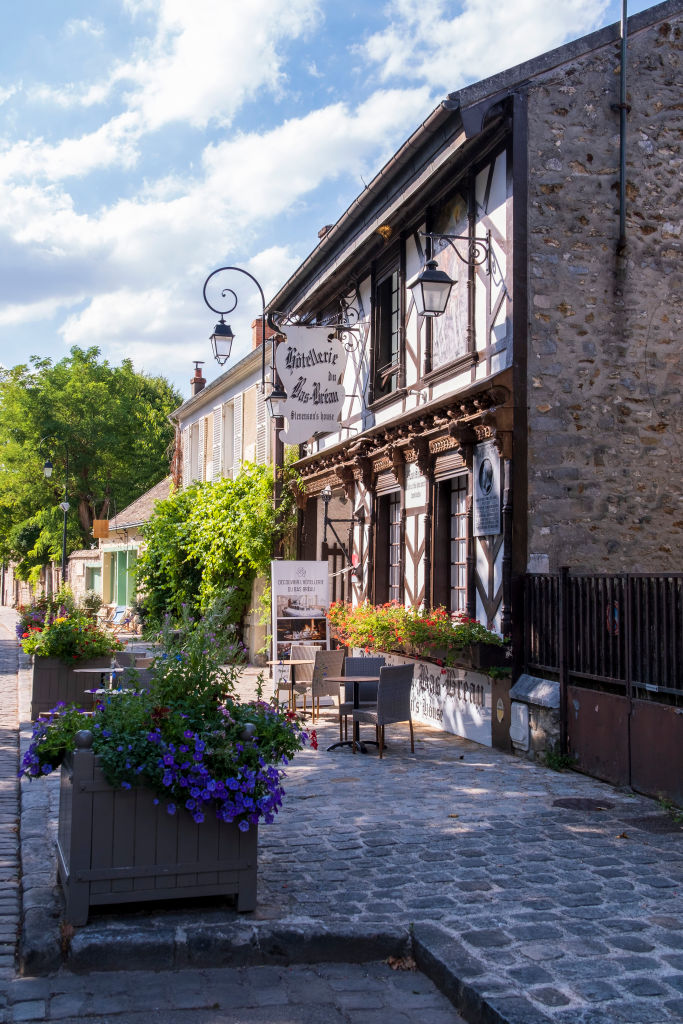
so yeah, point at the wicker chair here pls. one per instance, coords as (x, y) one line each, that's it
(393, 703)
(367, 692)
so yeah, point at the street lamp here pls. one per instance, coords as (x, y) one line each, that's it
(64, 505)
(431, 288)
(222, 337)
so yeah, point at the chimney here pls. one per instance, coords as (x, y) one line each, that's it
(197, 383)
(256, 332)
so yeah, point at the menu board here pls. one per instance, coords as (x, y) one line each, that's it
(300, 602)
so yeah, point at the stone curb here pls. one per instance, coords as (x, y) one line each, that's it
(148, 946)
(445, 962)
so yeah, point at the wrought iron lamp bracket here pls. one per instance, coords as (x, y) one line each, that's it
(477, 249)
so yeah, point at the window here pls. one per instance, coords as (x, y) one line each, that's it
(387, 340)
(207, 424)
(395, 568)
(450, 543)
(458, 542)
(449, 333)
(388, 560)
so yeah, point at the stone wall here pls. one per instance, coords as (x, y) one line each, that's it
(604, 365)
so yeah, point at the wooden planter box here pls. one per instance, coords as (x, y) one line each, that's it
(118, 846)
(482, 656)
(55, 681)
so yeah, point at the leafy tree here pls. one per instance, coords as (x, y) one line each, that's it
(114, 424)
(210, 541)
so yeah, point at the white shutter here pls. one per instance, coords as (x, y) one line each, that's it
(185, 447)
(217, 431)
(237, 435)
(200, 454)
(261, 428)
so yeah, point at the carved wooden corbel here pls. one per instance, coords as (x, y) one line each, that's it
(395, 455)
(424, 460)
(464, 438)
(347, 480)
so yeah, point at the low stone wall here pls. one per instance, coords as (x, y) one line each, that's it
(535, 717)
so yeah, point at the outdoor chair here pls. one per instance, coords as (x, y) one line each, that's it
(120, 621)
(367, 692)
(303, 674)
(393, 703)
(327, 663)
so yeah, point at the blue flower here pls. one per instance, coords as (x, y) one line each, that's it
(171, 808)
(243, 826)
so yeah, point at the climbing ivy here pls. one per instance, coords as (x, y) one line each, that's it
(210, 541)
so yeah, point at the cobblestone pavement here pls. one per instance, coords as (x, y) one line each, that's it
(521, 909)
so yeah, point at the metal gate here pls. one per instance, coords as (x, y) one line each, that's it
(616, 645)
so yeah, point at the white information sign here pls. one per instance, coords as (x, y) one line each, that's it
(415, 494)
(300, 601)
(311, 366)
(486, 480)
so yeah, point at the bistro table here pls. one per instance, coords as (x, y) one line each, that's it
(356, 681)
(292, 663)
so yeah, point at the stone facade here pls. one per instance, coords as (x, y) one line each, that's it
(604, 370)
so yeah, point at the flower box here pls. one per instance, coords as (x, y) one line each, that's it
(481, 656)
(119, 846)
(54, 681)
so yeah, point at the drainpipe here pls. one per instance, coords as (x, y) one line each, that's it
(623, 110)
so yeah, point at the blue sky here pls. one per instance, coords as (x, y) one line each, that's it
(144, 143)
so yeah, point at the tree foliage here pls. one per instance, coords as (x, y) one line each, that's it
(112, 421)
(210, 541)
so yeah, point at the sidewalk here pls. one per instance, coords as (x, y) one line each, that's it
(520, 908)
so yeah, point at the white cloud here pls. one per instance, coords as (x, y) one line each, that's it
(113, 144)
(425, 43)
(83, 26)
(264, 175)
(7, 94)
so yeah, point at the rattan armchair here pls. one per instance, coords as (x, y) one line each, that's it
(367, 693)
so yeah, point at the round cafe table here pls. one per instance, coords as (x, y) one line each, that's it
(356, 681)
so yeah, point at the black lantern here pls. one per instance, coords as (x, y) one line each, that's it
(221, 342)
(47, 469)
(431, 290)
(276, 400)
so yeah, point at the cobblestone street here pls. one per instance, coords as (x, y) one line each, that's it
(527, 895)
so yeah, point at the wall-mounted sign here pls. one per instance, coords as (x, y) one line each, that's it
(486, 487)
(311, 365)
(415, 495)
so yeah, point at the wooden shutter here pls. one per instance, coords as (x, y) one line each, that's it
(217, 431)
(237, 435)
(185, 443)
(201, 427)
(261, 427)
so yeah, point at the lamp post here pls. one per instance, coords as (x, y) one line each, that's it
(64, 504)
(431, 287)
(222, 337)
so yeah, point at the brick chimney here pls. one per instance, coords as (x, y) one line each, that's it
(256, 333)
(197, 383)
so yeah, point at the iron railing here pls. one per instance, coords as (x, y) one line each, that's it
(624, 632)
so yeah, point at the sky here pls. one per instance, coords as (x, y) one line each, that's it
(145, 143)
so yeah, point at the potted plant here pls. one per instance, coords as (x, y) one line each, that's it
(61, 638)
(163, 790)
(435, 634)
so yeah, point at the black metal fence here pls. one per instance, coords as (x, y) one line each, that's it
(622, 632)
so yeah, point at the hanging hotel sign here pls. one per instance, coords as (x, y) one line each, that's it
(486, 473)
(311, 366)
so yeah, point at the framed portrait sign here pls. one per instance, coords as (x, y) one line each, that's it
(486, 488)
